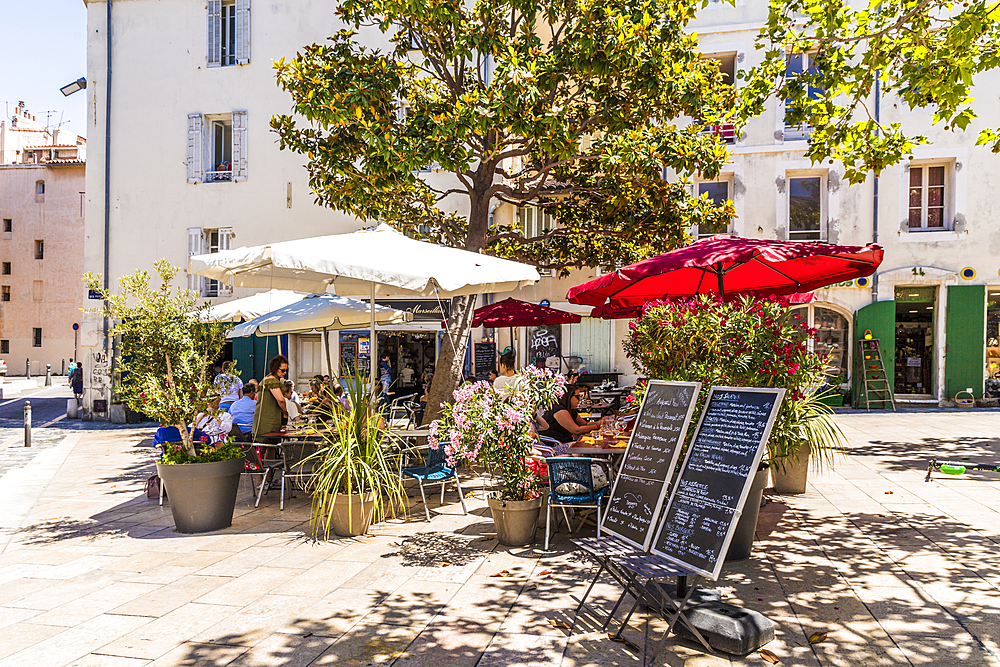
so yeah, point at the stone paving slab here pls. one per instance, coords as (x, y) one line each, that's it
(894, 570)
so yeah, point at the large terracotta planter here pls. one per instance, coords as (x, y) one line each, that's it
(202, 495)
(792, 480)
(515, 520)
(352, 514)
(742, 542)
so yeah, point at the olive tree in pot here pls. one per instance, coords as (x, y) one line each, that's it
(355, 476)
(493, 429)
(165, 355)
(744, 342)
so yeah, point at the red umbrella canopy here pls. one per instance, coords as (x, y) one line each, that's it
(728, 265)
(514, 313)
(611, 313)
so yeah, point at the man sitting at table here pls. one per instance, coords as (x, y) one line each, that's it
(243, 409)
(565, 423)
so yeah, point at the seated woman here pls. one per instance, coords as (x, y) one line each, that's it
(565, 424)
(213, 423)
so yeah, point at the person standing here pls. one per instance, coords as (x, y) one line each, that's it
(229, 386)
(271, 399)
(385, 373)
(76, 382)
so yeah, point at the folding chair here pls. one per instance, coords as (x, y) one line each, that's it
(254, 466)
(572, 469)
(434, 472)
(295, 466)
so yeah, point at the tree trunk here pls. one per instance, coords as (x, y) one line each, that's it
(448, 371)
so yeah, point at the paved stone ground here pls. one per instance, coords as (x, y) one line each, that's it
(896, 571)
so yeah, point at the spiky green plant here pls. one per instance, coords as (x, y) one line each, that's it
(356, 459)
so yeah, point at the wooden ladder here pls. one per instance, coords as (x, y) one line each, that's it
(876, 382)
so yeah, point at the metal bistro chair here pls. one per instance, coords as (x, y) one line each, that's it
(397, 409)
(413, 411)
(577, 470)
(257, 466)
(296, 468)
(433, 473)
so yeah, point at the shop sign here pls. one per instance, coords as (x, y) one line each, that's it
(423, 310)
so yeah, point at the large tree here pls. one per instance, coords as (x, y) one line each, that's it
(571, 105)
(925, 52)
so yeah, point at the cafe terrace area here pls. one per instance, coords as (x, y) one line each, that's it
(872, 566)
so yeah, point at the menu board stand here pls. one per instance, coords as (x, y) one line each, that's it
(649, 461)
(486, 359)
(712, 486)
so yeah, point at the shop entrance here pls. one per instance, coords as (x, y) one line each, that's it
(412, 357)
(915, 340)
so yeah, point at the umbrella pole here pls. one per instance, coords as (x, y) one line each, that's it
(326, 344)
(372, 341)
(719, 274)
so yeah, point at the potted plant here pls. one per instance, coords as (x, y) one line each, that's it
(165, 355)
(493, 429)
(355, 475)
(748, 342)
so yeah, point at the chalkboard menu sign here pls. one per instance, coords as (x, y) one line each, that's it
(714, 482)
(545, 341)
(649, 460)
(486, 360)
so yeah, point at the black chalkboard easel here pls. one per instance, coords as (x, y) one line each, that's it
(486, 360)
(649, 461)
(715, 479)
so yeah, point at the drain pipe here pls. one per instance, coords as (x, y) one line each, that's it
(107, 171)
(878, 101)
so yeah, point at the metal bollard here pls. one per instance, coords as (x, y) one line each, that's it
(27, 368)
(63, 367)
(27, 423)
(48, 375)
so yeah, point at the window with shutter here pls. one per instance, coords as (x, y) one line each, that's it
(195, 243)
(242, 32)
(214, 33)
(195, 157)
(239, 145)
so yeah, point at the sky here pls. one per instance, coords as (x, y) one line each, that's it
(43, 44)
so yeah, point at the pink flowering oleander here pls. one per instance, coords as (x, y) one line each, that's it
(484, 427)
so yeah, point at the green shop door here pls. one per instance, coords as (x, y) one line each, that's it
(965, 340)
(880, 319)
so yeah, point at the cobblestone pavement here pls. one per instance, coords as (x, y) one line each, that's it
(882, 567)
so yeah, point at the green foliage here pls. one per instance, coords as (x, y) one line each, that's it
(926, 52)
(569, 105)
(166, 350)
(355, 459)
(746, 342)
(176, 453)
(493, 428)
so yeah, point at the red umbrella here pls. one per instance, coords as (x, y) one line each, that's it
(730, 265)
(610, 313)
(514, 313)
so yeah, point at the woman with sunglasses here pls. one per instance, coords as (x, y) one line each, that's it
(271, 400)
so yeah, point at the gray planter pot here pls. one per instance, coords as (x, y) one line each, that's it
(515, 520)
(793, 479)
(202, 495)
(742, 543)
(352, 514)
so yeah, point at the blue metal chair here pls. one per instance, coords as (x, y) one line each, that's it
(564, 469)
(435, 472)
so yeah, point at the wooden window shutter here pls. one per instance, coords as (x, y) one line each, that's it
(242, 32)
(214, 33)
(195, 246)
(195, 160)
(239, 145)
(226, 236)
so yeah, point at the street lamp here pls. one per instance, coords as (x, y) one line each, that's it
(71, 88)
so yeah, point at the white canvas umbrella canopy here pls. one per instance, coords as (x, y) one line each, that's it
(249, 307)
(318, 312)
(378, 262)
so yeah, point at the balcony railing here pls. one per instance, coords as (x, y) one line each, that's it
(727, 132)
(213, 176)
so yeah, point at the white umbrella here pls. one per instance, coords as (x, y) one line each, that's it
(377, 262)
(249, 307)
(318, 312)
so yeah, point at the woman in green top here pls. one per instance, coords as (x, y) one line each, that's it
(270, 401)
